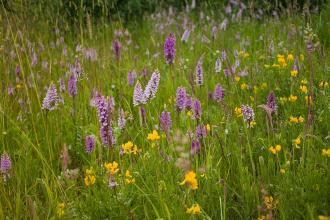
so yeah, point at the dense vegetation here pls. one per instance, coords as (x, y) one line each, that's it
(196, 112)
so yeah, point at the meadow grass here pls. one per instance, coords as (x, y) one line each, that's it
(238, 175)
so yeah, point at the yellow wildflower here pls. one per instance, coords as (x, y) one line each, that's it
(191, 180)
(264, 85)
(129, 148)
(89, 180)
(326, 152)
(304, 81)
(283, 100)
(290, 57)
(268, 200)
(303, 89)
(293, 98)
(296, 142)
(195, 209)
(128, 178)
(301, 119)
(153, 136)
(282, 171)
(90, 171)
(189, 113)
(238, 112)
(112, 167)
(294, 73)
(208, 127)
(262, 217)
(237, 78)
(294, 120)
(281, 61)
(60, 209)
(323, 85)
(244, 86)
(252, 124)
(276, 149)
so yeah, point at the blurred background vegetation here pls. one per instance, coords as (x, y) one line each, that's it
(77, 12)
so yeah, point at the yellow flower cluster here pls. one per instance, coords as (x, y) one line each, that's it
(89, 177)
(244, 86)
(238, 112)
(323, 85)
(195, 209)
(297, 142)
(112, 168)
(294, 73)
(269, 202)
(129, 148)
(276, 149)
(303, 89)
(281, 60)
(290, 57)
(154, 136)
(293, 98)
(295, 120)
(129, 178)
(190, 180)
(326, 152)
(60, 209)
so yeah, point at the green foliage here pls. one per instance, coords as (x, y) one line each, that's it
(237, 174)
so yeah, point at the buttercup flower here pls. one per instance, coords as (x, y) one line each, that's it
(190, 179)
(112, 168)
(194, 210)
(153, 136)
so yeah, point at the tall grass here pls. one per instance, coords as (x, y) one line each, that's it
(238, 177)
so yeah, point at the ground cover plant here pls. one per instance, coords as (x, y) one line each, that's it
(196, 114)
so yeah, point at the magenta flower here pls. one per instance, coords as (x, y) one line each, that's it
(169, 49)
(189, 102)
(195, 147)
(121, 119)
(116, 46)
(51, 99)
(131, 76)
(62, 85)
(72, 85)
(180, 100)
(218, 65)
(10, 90)
(152, 86)
(248, 113)
(90, 143)
(185, 36)
(271, 102)
(201, 131)
(197, 109)
(219, 93)
(138, 95)
(165, 121)
(5, 163)
(199, 74)
(105, 123)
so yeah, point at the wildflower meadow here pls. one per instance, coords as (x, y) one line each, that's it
(210, 110)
